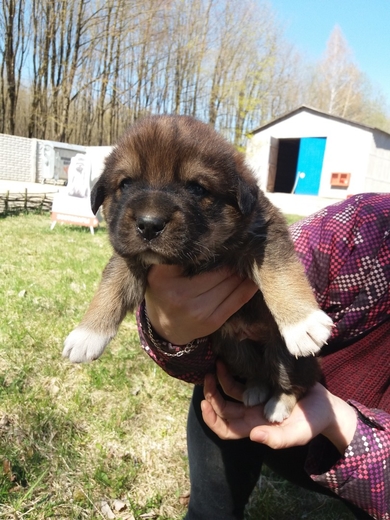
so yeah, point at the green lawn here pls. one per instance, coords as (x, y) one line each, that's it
(74, 437)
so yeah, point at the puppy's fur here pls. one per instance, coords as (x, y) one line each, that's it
(175, 192)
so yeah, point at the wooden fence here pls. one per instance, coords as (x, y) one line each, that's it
(19, 202)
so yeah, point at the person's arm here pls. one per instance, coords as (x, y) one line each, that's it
(361, 474)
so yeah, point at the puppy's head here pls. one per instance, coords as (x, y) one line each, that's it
(174, 191)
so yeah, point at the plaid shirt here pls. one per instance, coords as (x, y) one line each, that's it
(345, 249)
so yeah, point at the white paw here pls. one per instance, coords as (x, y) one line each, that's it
(254, 395)
(84, 345)
(307, 337)
(276, 410)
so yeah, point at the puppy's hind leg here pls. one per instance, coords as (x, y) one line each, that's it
(279, 407)
(255, 393)
(118, 293)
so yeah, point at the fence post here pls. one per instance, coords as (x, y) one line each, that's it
(6, 202)
(25, 199)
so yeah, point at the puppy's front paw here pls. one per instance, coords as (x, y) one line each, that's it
(84, 345)
(306, 337)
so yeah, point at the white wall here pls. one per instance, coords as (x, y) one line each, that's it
(32, 160)
(378, 171)
(348, 149)
(257, 156)
(17, 158)
(97, 156)
(53, 159)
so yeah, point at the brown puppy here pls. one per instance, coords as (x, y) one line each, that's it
(175, 192)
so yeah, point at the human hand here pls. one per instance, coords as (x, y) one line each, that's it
(182, 309)
(318, 412)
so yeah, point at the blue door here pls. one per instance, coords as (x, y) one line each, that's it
(309, 166)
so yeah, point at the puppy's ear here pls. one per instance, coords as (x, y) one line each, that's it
(98, 194)
(246, 196)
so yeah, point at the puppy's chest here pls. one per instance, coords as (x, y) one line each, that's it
(244, 340)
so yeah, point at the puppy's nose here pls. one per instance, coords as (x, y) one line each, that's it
(150, 227)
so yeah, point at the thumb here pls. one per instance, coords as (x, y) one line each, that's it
(268, 435)
(279, 436)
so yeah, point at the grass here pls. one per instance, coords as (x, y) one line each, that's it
(76, 437)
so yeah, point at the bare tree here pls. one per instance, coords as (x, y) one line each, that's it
(91, 67)
(336, 86)
(13, 52)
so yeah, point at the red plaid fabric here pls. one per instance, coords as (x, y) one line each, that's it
(362, 474)
(345, 250)
(190, 367)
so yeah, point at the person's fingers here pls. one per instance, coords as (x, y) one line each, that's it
(181, 308)
(220, 291)
(226, 428)
(228, 419)
(229, 385)
(307, 420)
(224, 409)
(214, 422)
(216, 304)
(160, 273)
(232, 294)
(170, 278)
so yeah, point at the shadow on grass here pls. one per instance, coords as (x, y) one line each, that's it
(276, 499)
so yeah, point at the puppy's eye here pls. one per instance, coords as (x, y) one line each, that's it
(196, 189)
(125, 183)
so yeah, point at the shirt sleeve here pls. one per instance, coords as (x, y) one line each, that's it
(190, 362)
(362, 475)
(345, 250)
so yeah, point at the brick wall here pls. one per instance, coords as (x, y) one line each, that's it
(32, 160)
(17, 158)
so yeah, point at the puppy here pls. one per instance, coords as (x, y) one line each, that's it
(175, 192)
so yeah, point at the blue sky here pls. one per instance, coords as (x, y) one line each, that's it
(364, 23)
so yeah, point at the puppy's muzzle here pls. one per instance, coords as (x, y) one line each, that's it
(150, 227)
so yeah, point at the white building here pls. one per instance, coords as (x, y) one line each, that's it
(35, 160)
(309, 152)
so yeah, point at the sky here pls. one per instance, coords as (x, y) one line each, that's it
(365, 25)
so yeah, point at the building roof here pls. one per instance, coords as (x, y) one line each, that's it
(304, 108)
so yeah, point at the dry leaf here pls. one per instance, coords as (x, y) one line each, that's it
(119, 505)
(7, 469)
(4, 421)
(107, 511)
(184, 499)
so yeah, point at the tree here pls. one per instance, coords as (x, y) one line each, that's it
(338, 87)
(13, 51)
(337, 83)
(83, 70)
